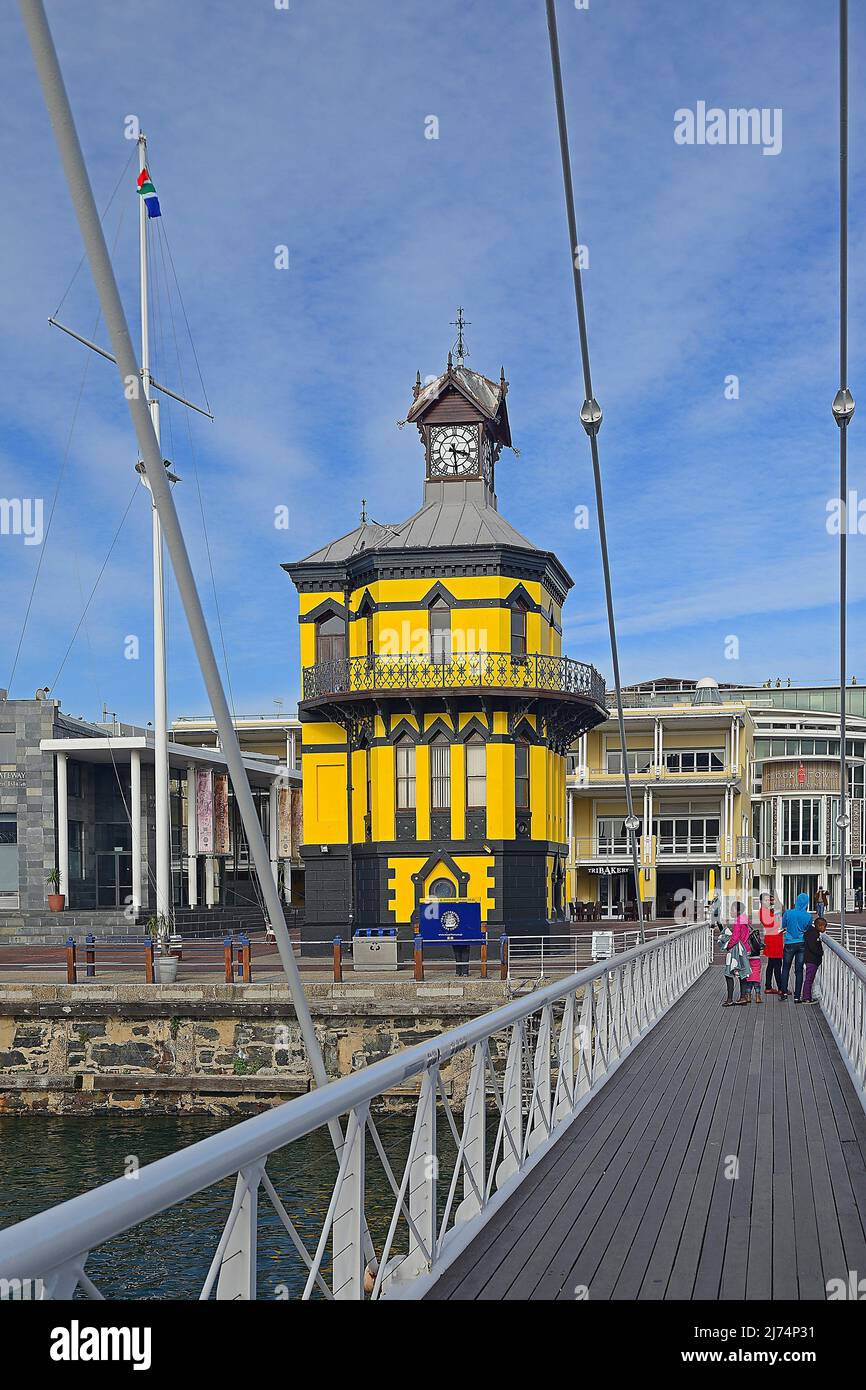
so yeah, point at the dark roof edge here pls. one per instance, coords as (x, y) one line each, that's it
(338, 573)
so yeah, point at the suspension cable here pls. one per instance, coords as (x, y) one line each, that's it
(590, 418)
(843, 410)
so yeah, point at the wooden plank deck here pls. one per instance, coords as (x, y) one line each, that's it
(634, 1202)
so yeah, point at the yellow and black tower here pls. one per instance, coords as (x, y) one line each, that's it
(437, 706)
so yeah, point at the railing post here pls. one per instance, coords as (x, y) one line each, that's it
(237, 1276)
(503, 957)
(423, 1178)
(419, 958)
(347, 1237)
(228, 954)
(246, 961)
(338, 961)
(148, 960)
(90, 955)
(71, 975)
(484, 957)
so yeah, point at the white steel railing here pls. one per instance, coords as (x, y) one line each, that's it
(540, 957)
(842, 995)
(524, 1071)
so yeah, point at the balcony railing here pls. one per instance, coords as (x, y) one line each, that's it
(469, 671)
(682, 846)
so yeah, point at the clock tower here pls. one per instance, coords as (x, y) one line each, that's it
(462, 419)
(437, 704)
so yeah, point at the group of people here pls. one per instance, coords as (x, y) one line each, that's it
(790, 942)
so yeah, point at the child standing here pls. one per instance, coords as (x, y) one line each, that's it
(753, 984)
(812, 956)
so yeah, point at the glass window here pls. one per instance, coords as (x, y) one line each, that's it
(405, 774)
(73, 777)
(521, 775)
(440, 774)
(801, 821)
(114, 836)
(330, 638)
(476, 772)
(442, 888)
(440, 631)
(518, 629)
(639, 760)
(8, 754)
(76, 847)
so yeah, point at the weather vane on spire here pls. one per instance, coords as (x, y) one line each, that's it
(460, 323)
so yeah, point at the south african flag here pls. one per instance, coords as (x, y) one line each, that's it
(148, 193)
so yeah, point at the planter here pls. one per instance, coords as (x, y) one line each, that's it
(165, 970)
(56, 902)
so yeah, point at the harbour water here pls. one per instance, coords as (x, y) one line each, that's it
(48, 1159)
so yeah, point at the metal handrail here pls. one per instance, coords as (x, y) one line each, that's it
(842, 996)
(601, 1014)
(460, 670)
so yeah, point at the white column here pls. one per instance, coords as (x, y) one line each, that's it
(287, 882)
(274, 830)
(62, 826)
(191, 839)
(135, 824)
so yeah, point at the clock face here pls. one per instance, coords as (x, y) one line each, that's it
(453, 451)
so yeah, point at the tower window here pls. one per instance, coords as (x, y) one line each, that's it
(405, 751)
(476, 772)
(521, 775)
(440, 774)
(440, 631)
(368, 626)
(330, 638)
(518, 629)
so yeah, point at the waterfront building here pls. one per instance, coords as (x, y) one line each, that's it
(437, 706)
(739, 780)
(79, 797)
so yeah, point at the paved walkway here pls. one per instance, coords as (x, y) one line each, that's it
(636, 1200)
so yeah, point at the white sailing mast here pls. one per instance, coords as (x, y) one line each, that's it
(160, 696)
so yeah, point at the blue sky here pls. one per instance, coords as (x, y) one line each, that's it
(306, 128)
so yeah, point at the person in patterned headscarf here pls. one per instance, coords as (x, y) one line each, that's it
(734, 941)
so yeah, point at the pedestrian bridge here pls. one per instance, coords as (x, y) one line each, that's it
(614, 1135)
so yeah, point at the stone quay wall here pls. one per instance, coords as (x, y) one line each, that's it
(213, 1048)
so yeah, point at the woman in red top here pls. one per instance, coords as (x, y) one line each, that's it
(774, 944)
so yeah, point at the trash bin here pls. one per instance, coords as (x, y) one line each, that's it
(374, 948)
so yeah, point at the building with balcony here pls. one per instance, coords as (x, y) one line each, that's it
(689, 754)
(740, 779)
(437, 705)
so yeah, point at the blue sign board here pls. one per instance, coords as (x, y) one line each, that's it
(456, 920)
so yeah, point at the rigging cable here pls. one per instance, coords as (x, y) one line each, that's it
(65, 457)
(590, 418)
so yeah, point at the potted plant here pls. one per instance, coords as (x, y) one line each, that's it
(164, 964)
(56, 901)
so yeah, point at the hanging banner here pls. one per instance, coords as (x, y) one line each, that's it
(204, 810)
(222, 843)
(284, 823)
(297, 821)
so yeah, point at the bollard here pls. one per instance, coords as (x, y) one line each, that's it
(338, 961)
(90, 955)
(148, 960)
(503, 957)
(484, 957)
(419, 960)
(227, 952)
(246, 963)
(71, 976)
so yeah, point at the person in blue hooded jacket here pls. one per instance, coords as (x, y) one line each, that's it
(795, 923)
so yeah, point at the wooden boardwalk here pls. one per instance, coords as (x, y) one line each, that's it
(634, 1201)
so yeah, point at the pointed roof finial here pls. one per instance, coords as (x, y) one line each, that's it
(450, 362)
(416, 389)
(363, 511)
(460, 323)
(503, 384)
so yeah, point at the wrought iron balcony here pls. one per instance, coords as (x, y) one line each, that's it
(471, 671)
